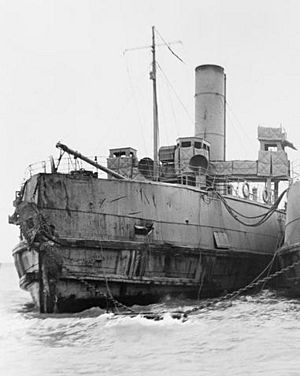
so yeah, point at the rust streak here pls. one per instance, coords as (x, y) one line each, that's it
(118, 198)
(146, 197)
(101, 202)
(153, 199)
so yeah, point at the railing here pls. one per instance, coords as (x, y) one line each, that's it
(65, 165)
(237, 188)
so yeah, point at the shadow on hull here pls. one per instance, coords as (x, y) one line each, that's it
(64, 287)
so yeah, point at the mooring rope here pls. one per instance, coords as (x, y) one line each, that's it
(263, 217)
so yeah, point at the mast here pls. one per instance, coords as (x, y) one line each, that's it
(155, 109)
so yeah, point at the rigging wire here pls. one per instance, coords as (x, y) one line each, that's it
(141, 122)
(240, 128)
(171, 104)
(177, 96)
(173, 112)
(168, 46)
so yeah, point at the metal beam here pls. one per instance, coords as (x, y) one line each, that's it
(91, 162)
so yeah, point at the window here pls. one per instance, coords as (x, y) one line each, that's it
(271, 147)
(119, 154)
(186, 144)
(197, 145)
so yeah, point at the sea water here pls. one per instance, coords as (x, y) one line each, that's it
(255, 335)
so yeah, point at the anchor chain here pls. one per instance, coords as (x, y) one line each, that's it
(183, 315)
(108, 296)
(97, 292)
(236, 293)
(177, 314)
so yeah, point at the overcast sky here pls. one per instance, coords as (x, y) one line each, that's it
(64, 77)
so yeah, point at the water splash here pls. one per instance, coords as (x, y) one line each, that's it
(251, 335)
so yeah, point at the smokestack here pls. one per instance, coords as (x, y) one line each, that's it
(210, 108)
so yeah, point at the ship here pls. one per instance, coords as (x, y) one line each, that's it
(289, 253)
(186, 223)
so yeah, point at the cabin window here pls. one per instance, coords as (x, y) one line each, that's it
(186, 144)
(119, 154)
(221, 240)
(197, 145)
(271, 147)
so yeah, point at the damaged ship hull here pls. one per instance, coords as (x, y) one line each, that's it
(89, 241)
(289, 253)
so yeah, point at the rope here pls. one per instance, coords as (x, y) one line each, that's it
(263, 217)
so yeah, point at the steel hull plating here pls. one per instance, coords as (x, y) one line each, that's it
(88, 240)
(289, 254)
(81, 285)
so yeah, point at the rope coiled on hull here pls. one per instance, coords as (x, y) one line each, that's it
(262, 217)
